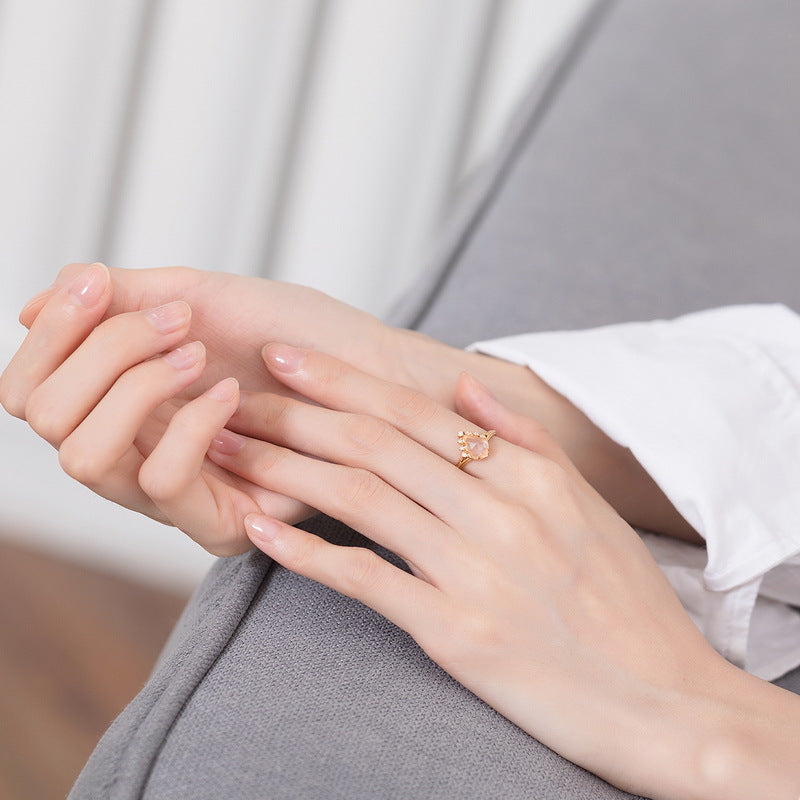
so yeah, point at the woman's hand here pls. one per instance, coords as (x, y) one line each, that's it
(525, 585)
(233, 316)
(92, 328)
(119, 399)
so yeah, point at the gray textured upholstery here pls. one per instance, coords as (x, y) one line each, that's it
(657, 172)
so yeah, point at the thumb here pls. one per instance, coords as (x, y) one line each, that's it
(32, 308)
(133, 289)
(475, 402)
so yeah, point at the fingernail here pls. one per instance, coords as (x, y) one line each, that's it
(89, 286)
(227, 442)
(477, 388)
(186, 356)
(283, 357)
(261, 529)
(224, 390)
(169, 317)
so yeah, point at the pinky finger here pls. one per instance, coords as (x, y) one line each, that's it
(478, 404)
(407, 601)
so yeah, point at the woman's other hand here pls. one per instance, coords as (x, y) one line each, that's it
(525, 585)
(118, 398)
(234, 315)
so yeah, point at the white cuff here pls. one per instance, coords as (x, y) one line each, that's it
(709, 404)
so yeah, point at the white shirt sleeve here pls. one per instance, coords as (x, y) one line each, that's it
(709, 404)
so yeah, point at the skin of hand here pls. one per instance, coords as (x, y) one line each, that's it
(524, 584)
(233, 316)
(91, 379)
(119, 398)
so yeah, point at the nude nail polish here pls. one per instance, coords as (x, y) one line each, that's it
(186, 356)
(284, 358)
(227, 442)
(169, 317)
(262, 528)
(87, 289)
(224, 390)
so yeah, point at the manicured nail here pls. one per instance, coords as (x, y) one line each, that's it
(224, 390)
(89, 286)
(477, 389)
(169, 317)
(283, 358)
(227, 442)
(261, 529)
(186, 356)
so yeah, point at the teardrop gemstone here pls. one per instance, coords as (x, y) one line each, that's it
(477, 447)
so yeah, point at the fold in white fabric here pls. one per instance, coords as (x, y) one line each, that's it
(709, 404)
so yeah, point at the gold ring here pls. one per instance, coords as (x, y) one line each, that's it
(474, 446)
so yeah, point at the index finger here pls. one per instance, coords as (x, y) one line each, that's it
(67, 317)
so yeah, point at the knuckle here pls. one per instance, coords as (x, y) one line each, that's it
(269, 460)
(474, 630)
(227, 547)
(85, 467)
(484, 578)
(362, 489)
(156, 484)
(330, 374)
(551, 477)
(362, 571)
(10, 399)
(184, 422)
(407, 406)
(366, 435)
(301, 557)
(537, 437)
(513, 526)
(275, 415)
(46, 421)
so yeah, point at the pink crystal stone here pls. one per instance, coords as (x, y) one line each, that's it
(477, 446)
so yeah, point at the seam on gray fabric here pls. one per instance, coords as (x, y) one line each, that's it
(531, 117)
(134, 785)
(163, 739)
(160, 691)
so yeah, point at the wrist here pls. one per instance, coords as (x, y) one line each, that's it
(736, 738)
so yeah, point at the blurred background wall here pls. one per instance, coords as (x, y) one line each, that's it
(317, 141)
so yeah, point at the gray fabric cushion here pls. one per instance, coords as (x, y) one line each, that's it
(664, 179)
(657, 172)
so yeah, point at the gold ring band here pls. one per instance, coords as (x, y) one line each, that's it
(474, 446)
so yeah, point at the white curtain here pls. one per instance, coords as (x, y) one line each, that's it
(318, 141)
